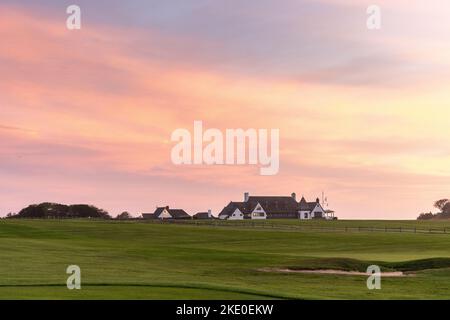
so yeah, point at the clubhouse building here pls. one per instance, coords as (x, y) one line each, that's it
(275, 207)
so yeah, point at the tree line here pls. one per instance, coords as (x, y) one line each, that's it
(443, 206)
(60, 211)
(50, 210)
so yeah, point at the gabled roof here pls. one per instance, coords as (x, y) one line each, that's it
(179, 213)
(158, 211)
(231, 207)
(175, 213)
(303, 205)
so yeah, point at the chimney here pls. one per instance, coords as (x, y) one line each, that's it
(318, 200)
(209, 213)
(246, 195)
(293, 195)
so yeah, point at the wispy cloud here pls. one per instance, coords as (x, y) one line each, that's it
(87, 116)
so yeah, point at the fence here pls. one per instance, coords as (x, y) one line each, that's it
(276, 226)
(288, 227)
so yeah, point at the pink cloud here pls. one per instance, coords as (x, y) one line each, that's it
(86, 119)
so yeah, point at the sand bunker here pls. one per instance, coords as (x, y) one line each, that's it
(337, 272)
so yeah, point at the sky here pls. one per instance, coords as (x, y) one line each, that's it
(86, 116)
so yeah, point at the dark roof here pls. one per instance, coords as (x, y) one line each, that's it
(202, 215)
(175, 213)
(273, 204)
(158, 211)
(231, 207)
(179, 213)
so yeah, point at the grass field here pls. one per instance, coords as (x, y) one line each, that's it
(139, 260)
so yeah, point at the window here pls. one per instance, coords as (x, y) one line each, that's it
(306, 215)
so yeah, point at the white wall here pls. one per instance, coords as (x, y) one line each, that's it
(259, 213)
(302, 215)
(165, 215)
(237, 215)
(318, 208)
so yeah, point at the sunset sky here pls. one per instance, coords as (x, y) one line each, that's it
(86, 116)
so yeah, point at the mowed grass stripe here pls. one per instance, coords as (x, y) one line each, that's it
(424, 227)
(159, 285)
(111, 252)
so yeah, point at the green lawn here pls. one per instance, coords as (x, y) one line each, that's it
(391, 225)
(138, 260)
